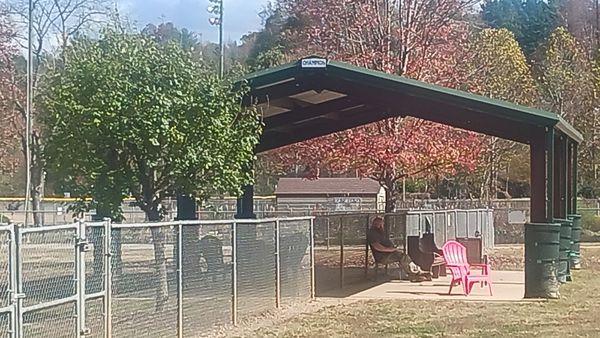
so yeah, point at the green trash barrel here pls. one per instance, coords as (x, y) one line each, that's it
(564, 252)
(575, 256)
(542, 242)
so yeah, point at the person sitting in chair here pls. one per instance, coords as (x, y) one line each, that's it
(385, 252)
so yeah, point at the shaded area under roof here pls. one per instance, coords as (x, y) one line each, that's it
(327, 186)
(300, 103)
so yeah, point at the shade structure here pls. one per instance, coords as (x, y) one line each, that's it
(314, 97)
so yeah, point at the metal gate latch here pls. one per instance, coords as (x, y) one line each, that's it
(84, 245)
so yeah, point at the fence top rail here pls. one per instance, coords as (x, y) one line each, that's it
(400, 212)
(95, 223)
(209, 222)
(5, 227)
(49, 228)
(414, 212)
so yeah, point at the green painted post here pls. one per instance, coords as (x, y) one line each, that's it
(549, 174)
(542, 236)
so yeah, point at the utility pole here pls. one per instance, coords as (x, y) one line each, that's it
(28, 111)
(217, 9)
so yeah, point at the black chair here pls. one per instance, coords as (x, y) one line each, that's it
(427, 245)
(474, 249)
(422, 258)
(382, 261)
(423, 252)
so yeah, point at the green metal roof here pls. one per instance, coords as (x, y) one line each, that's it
(307, 102)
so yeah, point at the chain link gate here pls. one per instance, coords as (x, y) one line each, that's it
(7, 310)
(96, 279)
(46, 287)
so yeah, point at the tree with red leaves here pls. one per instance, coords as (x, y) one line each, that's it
(9, 91)
(421, 39)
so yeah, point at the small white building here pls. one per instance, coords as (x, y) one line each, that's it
(331, 194)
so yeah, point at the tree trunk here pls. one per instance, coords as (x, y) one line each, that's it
(160, 261)
(390, 197)
(37, 181)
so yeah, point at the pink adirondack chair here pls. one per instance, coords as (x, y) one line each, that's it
(455, 255)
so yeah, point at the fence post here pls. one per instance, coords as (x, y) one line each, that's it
(446, 226)
(180, 280)
(312, 259)
(234, 273)
(14, 289)
(107, 278)
(277, 267)
(18, 294)
(341, 234)
(467, 223)
(327, 218)
(455, 223)
(81, 246)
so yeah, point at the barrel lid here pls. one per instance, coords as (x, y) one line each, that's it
(542, 225)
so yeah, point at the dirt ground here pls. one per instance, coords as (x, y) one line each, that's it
(575, 314)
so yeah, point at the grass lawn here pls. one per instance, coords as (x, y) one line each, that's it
(575, 314)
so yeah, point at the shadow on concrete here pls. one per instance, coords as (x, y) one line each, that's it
(327, 280)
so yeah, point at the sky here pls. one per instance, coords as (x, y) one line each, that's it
(240, 16)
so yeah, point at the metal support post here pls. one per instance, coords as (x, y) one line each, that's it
(81, 246)
(277, 267)
(234, 273)
(467, 223)
(107, 278)
(18, 295)
(574, 179)
(312, 259)
(366, 268)
(341, 234)
(180, 280)
(15, 289)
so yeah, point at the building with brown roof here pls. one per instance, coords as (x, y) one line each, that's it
(331, 194)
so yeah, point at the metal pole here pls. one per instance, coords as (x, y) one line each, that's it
(221, 46)
(12, 268)
(107, 278)
(18, 294)
(341, 253)
(327, 218)
(574, 178)
(455, 223)
(367, 248)
(180, 280)
(277, 267)
(234, 274)
(28, 110)
(312, 259)
(80, 248)
(467, 223)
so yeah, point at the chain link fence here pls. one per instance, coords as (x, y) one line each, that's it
(343, 258)
(6, 311)
(98, 279)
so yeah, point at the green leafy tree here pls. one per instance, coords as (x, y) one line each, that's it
(498, 69)
(531, 21)
(567, 85)
(128, 115)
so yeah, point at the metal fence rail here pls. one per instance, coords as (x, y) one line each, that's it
(99, 279)
(343, 256)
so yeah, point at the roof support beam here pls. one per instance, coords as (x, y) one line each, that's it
(402, 105)
(315, 129)
(295, 86)
(298, 115)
